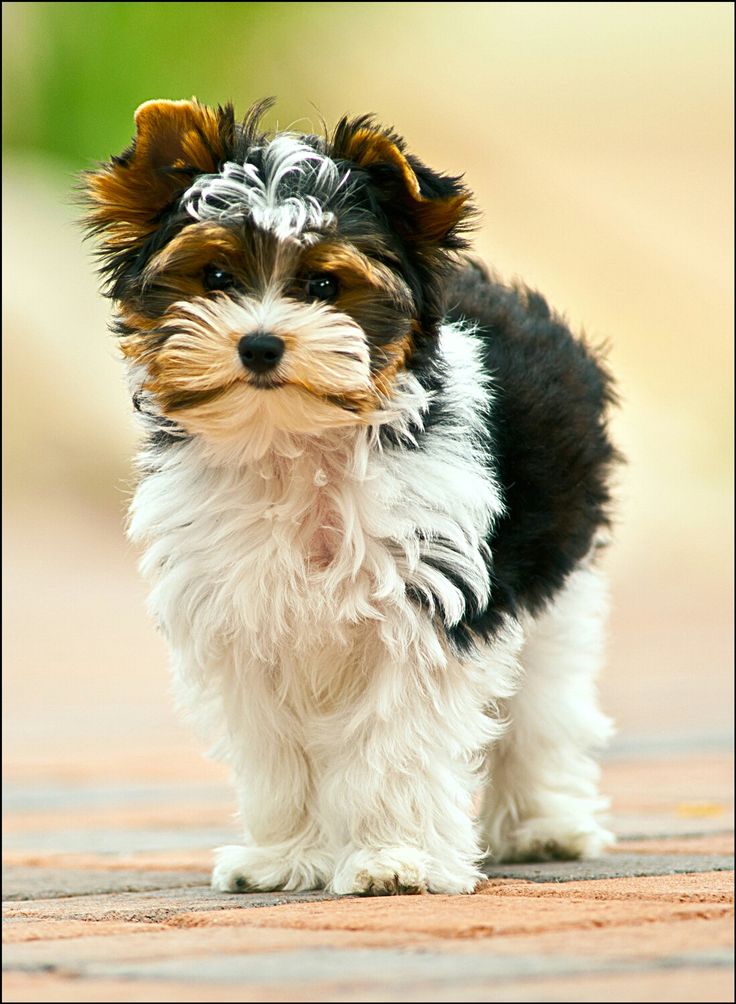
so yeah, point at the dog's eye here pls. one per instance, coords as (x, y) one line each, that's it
(217, 278)
(322, 287)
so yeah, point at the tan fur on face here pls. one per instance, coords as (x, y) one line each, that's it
(397, 353)
(197, 246)
(355, 270)
(187, 343)
(326, 355)
(363, 279)
(173, 140)
(176, 349)
(431, 219)
(343, 360)
(368, 147)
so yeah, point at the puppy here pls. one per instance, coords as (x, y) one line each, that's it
(372, 487)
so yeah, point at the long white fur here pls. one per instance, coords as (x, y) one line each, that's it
(355, 735)
(542, 798)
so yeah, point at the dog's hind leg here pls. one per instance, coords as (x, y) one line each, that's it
(542, 799)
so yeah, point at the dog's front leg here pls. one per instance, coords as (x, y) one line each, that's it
(284, 847)
(400, 776)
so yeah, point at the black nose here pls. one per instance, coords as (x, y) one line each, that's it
(260, 352)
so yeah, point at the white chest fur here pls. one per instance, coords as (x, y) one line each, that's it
(318, 537)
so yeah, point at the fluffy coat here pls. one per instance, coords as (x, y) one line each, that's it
(375, 564)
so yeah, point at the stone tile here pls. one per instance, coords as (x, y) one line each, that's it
(619, 865)
(17, 930)
(705, 887)
(630, 745)
(34, 882)
(660, 825)
(379, 969)
(240, 930)
(118, 840)
(191, 816)
(715, 843)
(504, 906)
(674, 783)
(614, 935)
(54, 796)
(28, 987)
(682, 794)
(660, 987)
(680, 985)
(635, 939)
(24, 883)
(196, 860)
(155, 943)
(573, 939)
(156, 906)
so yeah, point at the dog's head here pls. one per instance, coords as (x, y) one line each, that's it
(275, 280)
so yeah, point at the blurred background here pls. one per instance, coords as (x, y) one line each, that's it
(598, 140)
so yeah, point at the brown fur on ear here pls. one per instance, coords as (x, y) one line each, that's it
(427, 207)
(175, 141)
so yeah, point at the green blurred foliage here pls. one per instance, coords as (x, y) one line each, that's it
(75, 72)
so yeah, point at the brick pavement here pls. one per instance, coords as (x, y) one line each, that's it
(106, 899)
(111, 812)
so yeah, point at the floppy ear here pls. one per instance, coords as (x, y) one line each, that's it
(175, 141)
(426, 208)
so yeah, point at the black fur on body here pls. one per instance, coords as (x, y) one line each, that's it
(547, 437)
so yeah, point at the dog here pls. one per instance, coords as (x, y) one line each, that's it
(373, 487)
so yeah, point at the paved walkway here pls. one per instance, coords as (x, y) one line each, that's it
(111, 812)
(107, 900)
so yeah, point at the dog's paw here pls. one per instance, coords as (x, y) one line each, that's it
(390, 871)
(396, 871)
(266, 869)
(234, 870)
(554, 839)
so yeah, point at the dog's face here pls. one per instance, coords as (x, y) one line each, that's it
(271, 282)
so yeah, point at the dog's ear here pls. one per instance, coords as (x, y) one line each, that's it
(425, 208)
(175, 141)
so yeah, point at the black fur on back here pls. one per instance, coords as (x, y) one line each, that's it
(548, 442)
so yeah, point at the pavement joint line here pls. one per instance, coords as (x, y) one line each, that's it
(120, 841)
(665, 835)
(21, 797)
(635, 746)
(714, 982)
(375, 965)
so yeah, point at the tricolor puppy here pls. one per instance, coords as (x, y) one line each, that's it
(373, 484)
